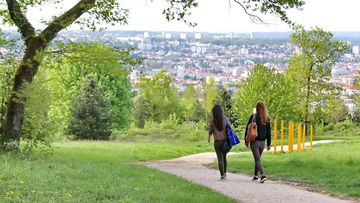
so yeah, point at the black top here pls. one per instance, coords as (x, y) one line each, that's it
(264, 131)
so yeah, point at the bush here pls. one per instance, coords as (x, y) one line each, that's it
(328, 127)
(165, 131)
(171, 123)
(91, 118)
(343, 125)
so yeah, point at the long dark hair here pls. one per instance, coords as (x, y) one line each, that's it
(218, 117)
(262, 112)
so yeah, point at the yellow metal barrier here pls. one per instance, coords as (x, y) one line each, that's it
(304, 136)
(291, 136)
(299, 134)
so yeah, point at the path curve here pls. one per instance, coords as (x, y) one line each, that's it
(239, 186)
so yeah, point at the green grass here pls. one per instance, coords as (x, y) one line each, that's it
(99, 172)
(334, 168)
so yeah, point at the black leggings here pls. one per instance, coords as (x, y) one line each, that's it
(221, 156)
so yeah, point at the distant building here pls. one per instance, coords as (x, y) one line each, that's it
(146, 35)
(356, 50)
(180, 72)
(197, 36)
(236, 72)
(183, 36)
(168, 35)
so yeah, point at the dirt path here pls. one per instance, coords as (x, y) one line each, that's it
(239, 186)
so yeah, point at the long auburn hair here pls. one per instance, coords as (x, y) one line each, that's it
(261, 110)
(218, 117)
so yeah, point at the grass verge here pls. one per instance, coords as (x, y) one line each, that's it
(330, 167)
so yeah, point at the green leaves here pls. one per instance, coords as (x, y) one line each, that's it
(264, 84)
(67, 67)
(310, 68)
(158, 99)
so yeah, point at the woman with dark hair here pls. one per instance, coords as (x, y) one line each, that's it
(264, 133)
(218, 130)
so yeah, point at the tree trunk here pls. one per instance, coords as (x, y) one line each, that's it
(12, 127)
(307, 105)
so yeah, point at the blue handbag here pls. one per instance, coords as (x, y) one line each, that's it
(234, 140)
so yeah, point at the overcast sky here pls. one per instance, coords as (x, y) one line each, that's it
(219, 16)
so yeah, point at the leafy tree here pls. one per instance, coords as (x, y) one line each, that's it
(143, 111)
(264, 84)
(310, 67)
(38, 127)
(195, 112)
(7, 69)
(67, 68)
(98, 11)
(211, 94)
(91, 115)
(336, 111)
(190, 96)
(356, 98)
(198, 114)
(163, 98)
(225, 101)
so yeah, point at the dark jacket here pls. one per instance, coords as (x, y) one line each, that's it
(264, 131)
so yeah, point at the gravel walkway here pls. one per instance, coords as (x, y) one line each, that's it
(239, 186)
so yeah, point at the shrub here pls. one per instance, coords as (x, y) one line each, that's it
(328, 127)
(343, 125)
(171, 123)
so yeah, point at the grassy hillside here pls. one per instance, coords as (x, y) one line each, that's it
(99, 172)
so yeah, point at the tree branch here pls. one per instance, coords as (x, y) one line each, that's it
(26, 29)
(66, 19)
(253, 18)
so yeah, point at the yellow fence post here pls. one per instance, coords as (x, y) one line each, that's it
(291, 136)
(311, 137)
(304, 136)
(282, 135)
(275, 135)
(299, 134)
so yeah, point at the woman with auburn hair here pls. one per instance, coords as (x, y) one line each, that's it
(261, 117)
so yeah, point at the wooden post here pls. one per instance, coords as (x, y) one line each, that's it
(299, 134)
(275, 135)
(282, 135)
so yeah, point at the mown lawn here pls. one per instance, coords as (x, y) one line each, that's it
(334, 168)
(99, 172)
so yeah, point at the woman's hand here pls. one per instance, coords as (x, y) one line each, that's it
(268, 148)
(209, 140)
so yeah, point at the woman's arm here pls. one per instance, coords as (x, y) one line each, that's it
(268, 135)
(211, 131)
